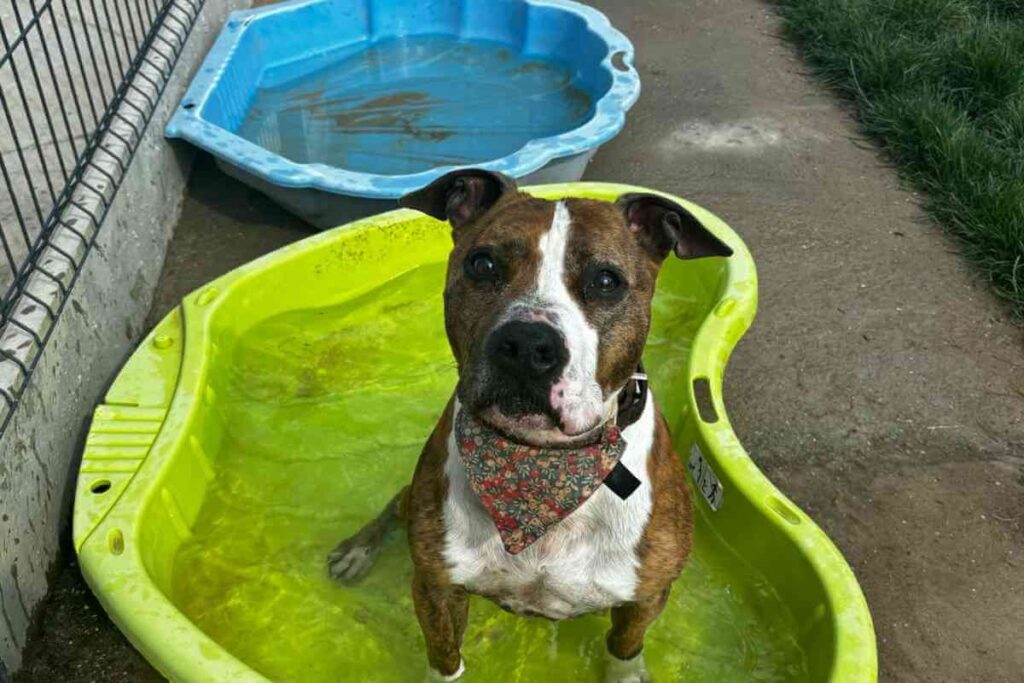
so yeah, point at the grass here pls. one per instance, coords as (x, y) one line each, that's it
(940, 85)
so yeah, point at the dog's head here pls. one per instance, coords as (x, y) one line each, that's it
(548, 303)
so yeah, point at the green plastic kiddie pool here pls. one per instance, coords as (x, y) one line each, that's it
(279, 408)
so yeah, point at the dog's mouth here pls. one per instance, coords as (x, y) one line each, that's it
(548, 413)
(536, 429)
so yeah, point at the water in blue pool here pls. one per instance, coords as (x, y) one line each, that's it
(411, 104)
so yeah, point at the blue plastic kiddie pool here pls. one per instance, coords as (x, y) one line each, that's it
(334, 108)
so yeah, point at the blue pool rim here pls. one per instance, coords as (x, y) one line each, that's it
(608, 119)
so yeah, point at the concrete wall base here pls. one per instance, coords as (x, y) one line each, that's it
(101, 323)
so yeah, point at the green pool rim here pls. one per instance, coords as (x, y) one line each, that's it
(142, 423)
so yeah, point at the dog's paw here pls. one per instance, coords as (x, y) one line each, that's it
(352, 559)
(626, 670)
(435, 676)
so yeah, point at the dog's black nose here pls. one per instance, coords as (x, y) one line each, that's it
(535, 350)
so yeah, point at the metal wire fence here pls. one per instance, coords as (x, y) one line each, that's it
(79, 80)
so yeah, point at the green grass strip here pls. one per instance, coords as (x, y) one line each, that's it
(940, 85)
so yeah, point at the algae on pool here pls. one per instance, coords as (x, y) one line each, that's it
(325, 412)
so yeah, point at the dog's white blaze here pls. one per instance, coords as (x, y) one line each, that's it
(587, 562)
(577, 395)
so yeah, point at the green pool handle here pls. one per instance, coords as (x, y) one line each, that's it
(127, 424)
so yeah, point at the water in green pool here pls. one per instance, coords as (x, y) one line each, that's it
(324, 414)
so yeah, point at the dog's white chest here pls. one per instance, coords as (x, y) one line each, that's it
(586, 563)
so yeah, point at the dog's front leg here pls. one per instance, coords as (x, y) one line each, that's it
(626, 638)
(442, 611)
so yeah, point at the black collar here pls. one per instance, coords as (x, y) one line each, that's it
(632, 399)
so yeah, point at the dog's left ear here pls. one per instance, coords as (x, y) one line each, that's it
(460, 197)
(663, 226)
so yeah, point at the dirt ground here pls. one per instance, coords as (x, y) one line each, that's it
(881, 388)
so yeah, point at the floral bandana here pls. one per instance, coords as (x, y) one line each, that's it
(527, 490)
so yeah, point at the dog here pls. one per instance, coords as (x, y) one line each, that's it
(550, 484)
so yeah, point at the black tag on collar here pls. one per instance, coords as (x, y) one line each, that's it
(621, 481)
(632, 402)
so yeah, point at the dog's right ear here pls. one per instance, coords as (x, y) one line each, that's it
(460, 197)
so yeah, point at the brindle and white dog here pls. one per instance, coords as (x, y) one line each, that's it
(547, 309)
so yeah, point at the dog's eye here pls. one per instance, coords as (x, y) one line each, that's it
(606, 282)
(480, 265)
(603, 284)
